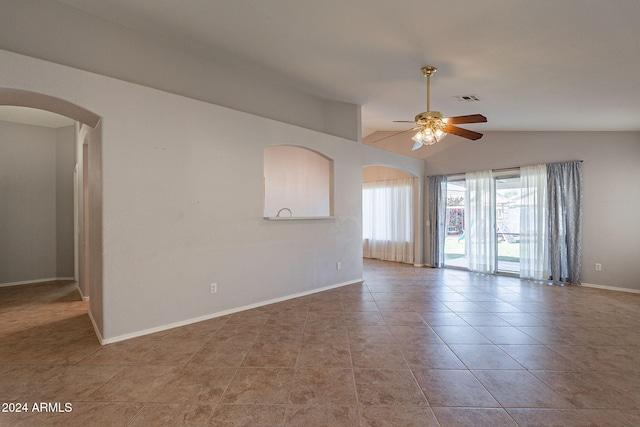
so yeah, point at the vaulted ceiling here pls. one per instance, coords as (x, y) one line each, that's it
(534, 65)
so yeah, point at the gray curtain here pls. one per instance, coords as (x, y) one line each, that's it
(564, 188)
(437, 214)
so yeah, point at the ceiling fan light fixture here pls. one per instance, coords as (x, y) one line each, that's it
(431, 128)
(428, 136)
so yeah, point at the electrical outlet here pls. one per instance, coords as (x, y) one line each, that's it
(214, 288)
(598, 266)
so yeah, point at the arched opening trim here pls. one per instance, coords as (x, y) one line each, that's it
(23, 98)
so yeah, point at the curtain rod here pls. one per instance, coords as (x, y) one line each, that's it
(506, 169)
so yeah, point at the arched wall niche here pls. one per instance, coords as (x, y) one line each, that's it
(298, 183)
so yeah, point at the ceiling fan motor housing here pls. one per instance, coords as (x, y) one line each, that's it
(428, 115)
(430, 119)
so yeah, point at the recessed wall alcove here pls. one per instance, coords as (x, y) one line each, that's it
(298, 183)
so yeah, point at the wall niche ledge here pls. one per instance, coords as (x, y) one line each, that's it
(298, 218)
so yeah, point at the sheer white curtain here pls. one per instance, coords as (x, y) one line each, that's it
(480, 221)
(534, 247)
(387, 220)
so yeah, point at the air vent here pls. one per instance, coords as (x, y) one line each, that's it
(467, 98)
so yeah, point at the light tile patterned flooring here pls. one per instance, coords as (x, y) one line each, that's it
(409, 347)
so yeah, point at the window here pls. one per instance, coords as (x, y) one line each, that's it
(387, 219)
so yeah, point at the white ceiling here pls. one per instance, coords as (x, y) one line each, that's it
(536, 65)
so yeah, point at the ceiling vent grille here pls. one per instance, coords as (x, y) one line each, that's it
(467, 98)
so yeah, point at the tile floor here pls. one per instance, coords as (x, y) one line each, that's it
(408, 347)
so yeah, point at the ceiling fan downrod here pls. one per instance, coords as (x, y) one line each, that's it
(428, 72)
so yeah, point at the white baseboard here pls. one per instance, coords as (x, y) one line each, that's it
(30, 282)
(84, 298)
(611, 288)
(96, 330)
(214, 315)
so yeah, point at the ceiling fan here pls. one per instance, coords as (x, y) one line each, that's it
(432, 127)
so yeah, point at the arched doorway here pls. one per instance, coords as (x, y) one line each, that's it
(87, 189)
(23, 98)
(391, 215)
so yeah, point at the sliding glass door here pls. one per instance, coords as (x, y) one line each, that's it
(507, 222)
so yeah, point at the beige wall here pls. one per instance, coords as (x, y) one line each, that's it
(611, 171)
(168, 222)
(90, 235)
(65, 164)
(36, 203)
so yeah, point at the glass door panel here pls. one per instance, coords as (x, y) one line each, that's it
(454, 245)
(508, 224)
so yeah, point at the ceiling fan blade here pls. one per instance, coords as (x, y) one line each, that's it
(416, 146)
(471, 118)
(404, 121)
(465, 133)
(394, 134)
